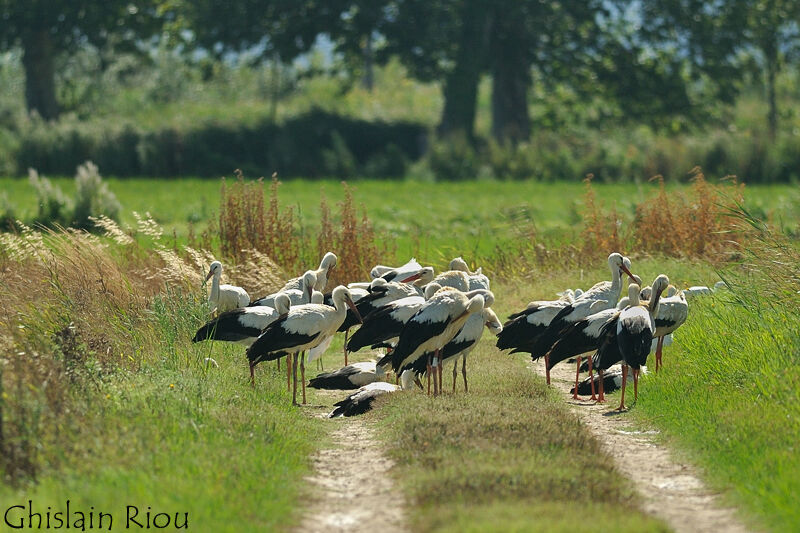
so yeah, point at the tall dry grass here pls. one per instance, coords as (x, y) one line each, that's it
(78, 307)
(693, 223)
(272, 235)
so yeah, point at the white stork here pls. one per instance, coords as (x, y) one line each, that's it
(467, 339)
(434, 325)
(603, 295)
(361, 401)
(300, 295)
(609, 350)
(672, 313)
(242, 325)
(224, 297)
(349, 377)
(477, 279)
(321, 281)
(302, 328)
(386, 322)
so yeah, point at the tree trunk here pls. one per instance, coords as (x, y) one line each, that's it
(40, 87)
(511, 77)
(510, 83)
(461, 84)
(368, 81)
(772, 113)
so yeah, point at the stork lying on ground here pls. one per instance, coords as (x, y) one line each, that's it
(349, 377)
(361, 401)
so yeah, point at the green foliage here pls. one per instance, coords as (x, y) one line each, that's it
(316, 144)
(92, 198)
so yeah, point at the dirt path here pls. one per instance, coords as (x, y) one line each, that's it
(670, 488)
(351, 489)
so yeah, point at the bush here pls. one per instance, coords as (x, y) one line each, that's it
(92, 198)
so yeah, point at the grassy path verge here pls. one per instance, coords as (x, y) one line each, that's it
(197, 440)
(729, 398)
(507, 456)
(671, 489)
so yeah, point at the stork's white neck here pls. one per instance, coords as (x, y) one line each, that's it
(214, 296)
(616, 283)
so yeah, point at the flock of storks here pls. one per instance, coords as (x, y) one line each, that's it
(424, 321)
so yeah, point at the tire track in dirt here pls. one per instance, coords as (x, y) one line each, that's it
(351, 489)
(671, 489)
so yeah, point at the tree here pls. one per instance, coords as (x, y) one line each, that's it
(720, 39)
(46, 28)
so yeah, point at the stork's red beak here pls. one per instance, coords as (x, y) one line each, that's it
(352, 306)
(628, 272)
(210, 273)
(409, 279)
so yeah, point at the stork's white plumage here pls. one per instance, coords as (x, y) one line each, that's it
(434, 325)
(242, 325)
(224, 297)
(298, 296)
(672, 313)
(321, 275)
(453, 278)
(302, 328)
(476, 279)
(380, 270)
(603, 295)
(349, 377)
(467, 339)
(361, 401)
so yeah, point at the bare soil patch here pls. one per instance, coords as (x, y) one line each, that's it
(671, 489)
(351, 488)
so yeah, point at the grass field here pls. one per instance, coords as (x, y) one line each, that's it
(154, 425)
(432, 220)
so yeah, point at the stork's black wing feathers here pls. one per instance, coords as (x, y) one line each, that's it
(226, 327)
(275, 341)
(608, 353)
(377, 327)
(572, 341)
(339, 379)
(414, 334)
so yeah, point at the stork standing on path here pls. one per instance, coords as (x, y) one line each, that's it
(603, 295)
(302, 328)
(224, 297)
(433, 326)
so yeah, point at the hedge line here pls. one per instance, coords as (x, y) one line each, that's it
(313, 145)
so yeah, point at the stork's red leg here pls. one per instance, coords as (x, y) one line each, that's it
(252, 375)
(624, 380)
(601, 398)
(303, 374)
(658, 353)
(577, 376)
(346, 333)
(635, 385)
(428, 374)
(294, 378)
(547, 367)
(289, 373)
(464, 372)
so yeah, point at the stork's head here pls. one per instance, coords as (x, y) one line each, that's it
(492, 322)
(431, 289)
(488, 296)
(214, 269)
(633, 294)
(309, 281)
(619, 265)
(328, 261)
(341, 296)
(458, 263)
(282, 303)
